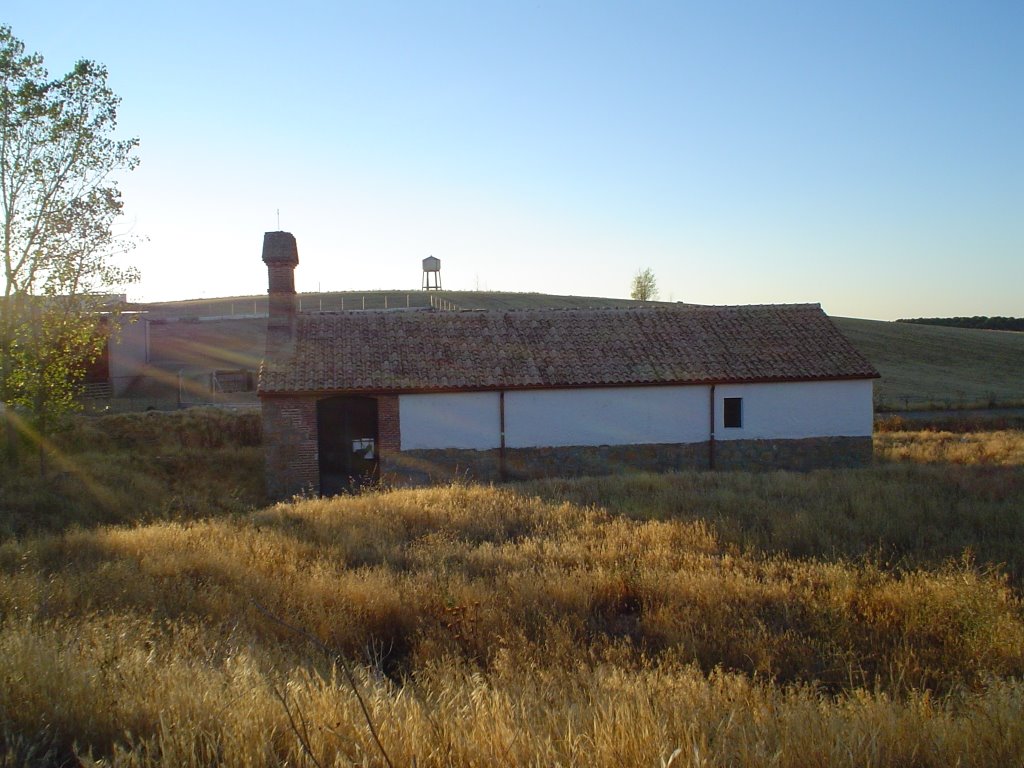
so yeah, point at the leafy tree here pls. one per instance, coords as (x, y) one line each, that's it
(645, 286)
(59, 201)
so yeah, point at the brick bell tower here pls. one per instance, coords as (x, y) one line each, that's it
(281, 256)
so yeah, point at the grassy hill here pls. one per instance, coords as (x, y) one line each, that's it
(921, 366)
(930, 366)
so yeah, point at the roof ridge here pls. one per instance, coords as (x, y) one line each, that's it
(678, 307)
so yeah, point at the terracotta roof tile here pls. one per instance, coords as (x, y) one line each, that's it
(394, 351)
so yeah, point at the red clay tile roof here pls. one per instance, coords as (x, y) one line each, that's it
(423, 351)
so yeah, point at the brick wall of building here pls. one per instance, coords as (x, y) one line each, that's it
(290, 446)
(389, 432)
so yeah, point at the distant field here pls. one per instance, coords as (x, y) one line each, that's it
(921, 366)
(929, 366)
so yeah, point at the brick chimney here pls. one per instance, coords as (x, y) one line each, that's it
(281, 256)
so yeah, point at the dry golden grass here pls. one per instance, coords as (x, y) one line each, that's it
(857, 617)
(1003, 448)
(493, 626)
(199, 700)
(136, 468)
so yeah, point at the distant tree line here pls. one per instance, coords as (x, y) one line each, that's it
(979, 321)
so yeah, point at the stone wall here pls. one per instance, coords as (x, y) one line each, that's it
(811, 453)
(419, 467)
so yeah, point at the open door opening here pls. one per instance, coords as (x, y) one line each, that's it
(347, 434)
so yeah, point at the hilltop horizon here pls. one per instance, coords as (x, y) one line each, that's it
(567, 300)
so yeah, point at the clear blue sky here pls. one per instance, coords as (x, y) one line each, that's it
(869, 156)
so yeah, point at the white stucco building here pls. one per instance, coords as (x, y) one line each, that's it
(425, 395)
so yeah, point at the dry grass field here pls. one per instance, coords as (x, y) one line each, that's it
(833, 618)
(137, 468)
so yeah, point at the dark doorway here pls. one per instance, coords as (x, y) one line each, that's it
(347, 430)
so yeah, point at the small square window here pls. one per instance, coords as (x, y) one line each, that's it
(732, 411)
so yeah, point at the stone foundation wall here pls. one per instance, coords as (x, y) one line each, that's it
(422, 467)
(811, 453)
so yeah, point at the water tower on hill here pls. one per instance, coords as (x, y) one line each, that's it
(431, 267)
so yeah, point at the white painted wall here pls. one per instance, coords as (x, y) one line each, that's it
(128, 354)
(800, 409)
(634, 415)
(612, 416)
(461, 420)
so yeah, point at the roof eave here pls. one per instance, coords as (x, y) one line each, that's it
(534, 387)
